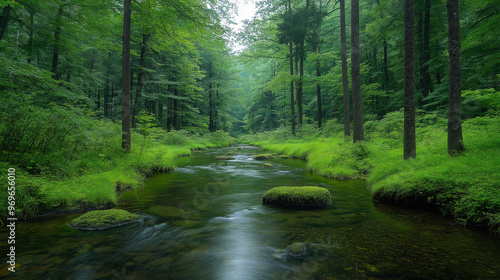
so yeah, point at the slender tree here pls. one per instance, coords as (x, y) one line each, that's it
(126, 137)
(57, 40)
(455, 140)
(357, 115)
(409, 82)
(290, 49)
(4, 19)
(345, 82)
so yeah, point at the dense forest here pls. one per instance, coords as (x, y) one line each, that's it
(96, 95)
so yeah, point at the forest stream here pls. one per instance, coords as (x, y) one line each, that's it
(206, 220)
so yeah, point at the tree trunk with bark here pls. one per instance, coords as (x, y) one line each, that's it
(126, 136)
(4, 20)
(345, 81)
(455, 139)
(358, 134)
(140, 78)
(409, 82)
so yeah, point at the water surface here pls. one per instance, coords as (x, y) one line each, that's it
(206, 221)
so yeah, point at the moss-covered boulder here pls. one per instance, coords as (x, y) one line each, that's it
(224, 157)
(103, 219)
(307, 196)
(299, 249)
(237, 149)
(231, 153)
(263, 157)
(267, 165)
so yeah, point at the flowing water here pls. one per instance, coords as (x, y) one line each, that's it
(206, 221)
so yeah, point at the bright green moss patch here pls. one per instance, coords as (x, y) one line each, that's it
(263, 157)
(103, 219)
(224, 157)
(307, 196)
(267, 165)
(231, 153)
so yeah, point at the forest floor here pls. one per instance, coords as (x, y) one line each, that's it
(466, 187)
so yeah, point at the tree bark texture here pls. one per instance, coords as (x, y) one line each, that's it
(409, 81)
(126, 136)
(345, 81)
(455, 140)
(358, 134)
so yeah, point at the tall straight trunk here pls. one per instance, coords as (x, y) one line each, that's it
(300, 83)
(409, 82)
(345, 82)
(175, 110)
(455, 139)
(4, 20)
(57, 41)
(31, 40)
(126, 136)
(426, 76)
(357, 115)
(140, 78)
(106, 87)
(318, 94)
(386, 67)
(292, 90)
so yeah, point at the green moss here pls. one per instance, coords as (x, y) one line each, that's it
(267, 165)
(263, 157)
(231, 153)
(103, 219)
(306, 196)
(284, 156)
(224, 157)
(298, 249)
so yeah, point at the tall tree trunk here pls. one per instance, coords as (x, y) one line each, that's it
(358, 134)
(292, 90)
(455, 140)
(106, 87)
(345, 82)
(4, 20)
(386, 67)
(140, 78)
(126, 136)
(57, 41)
(300, 83)
(409, 82)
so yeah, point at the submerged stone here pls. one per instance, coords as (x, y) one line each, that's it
(231, 153)
(103, 219)
(267, 165)
(263, 157)
(299, 249)
(306, 196)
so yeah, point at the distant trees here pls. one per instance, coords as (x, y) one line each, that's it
(126, 135)
(345, 81)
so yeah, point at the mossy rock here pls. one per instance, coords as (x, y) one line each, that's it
(263, 157)
(284, 157)
(306, 196)
(231, 153)
(299, 249)
(223, 158)
(267, 165)
(237, 149)
(103, 219)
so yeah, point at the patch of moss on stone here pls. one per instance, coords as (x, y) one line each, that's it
(103, 219)
(306, 196)
(267, 165)
(299, 249)
(231, 153)
(223, 158)
(284, 156)
(263, 157)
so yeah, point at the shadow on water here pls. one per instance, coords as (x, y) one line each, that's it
(206, 221)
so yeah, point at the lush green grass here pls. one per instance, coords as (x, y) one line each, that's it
(103, 219)
(465, 186)
(307, 196)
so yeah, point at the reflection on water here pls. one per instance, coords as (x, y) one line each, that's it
(206, 221)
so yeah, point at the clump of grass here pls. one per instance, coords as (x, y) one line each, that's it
(103, 219)
(306, 196)
(263, 157)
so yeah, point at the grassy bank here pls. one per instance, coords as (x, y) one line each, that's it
(466, 187)
(100, 170)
